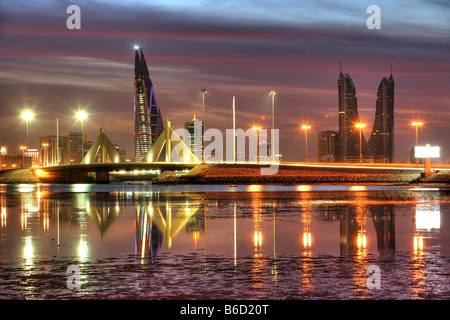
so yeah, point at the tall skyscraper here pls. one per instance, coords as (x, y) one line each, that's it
(348, 117)
(195, 129)
(148, 123)
(327, 146)
(381, 140)
(75, 146)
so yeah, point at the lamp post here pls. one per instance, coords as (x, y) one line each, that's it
(417, 124)
(81, 115)
(257, 128)
(360, 126)
(306, 127)
(203, 91)
(27, 115)
(272, 147)
(23, 148)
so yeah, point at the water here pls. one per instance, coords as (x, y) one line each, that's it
(224, 242)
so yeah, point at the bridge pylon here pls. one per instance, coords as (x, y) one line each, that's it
(171, 140)
(102, 146)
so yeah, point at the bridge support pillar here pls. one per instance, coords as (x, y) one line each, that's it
(102, 177)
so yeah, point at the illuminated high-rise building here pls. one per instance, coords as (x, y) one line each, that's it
(327, 146)
(349, 149)
(381, 140)
(148, 124)
(195, 129)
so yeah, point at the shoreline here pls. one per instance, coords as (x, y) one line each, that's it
(221, 174)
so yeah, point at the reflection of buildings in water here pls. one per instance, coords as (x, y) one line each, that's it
(103, 214)
(349, 230)
(162, 219)
(328, 213)
(196, 225)
(147, 239)
(352, 230)
(3, 209)
(384, 221)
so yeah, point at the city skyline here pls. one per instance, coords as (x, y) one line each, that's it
(244, 53)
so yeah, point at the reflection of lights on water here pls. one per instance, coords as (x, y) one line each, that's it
(82, 249)
(362, 241)
(428, 220)
(196, 236)
(26, 188)
(418, 243)
(3, 217)
(80, 188)
(254, 188)
(23, 221)
(46, 221)
(303, 188)
(28, 250)
(358, 188)
(306, 239)
(257, 239)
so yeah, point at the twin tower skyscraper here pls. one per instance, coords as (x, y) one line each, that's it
(380, 147)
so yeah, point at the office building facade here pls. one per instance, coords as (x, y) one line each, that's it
(327, 146)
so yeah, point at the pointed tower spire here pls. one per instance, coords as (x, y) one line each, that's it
(390, 77)
(137, 63)
(340, 67)
(144, 65)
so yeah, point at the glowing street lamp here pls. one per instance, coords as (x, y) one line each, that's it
(81, 115)
(417, 124)
(360, 126)
(306, 127)
(27, 115)
(257, 129)
(272, 143)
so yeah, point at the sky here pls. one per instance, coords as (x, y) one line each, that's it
(231, 48)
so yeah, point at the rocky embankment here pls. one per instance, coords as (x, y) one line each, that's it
(242, 174)
(251, 174)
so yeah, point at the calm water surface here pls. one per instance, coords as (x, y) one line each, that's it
(224, 242)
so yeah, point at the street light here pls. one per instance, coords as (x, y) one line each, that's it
(81, 115)
(306, 127)
(417, 124)
(27, 115)
(360, 126)
(257, 129)
(272, 142)
(203, 91)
